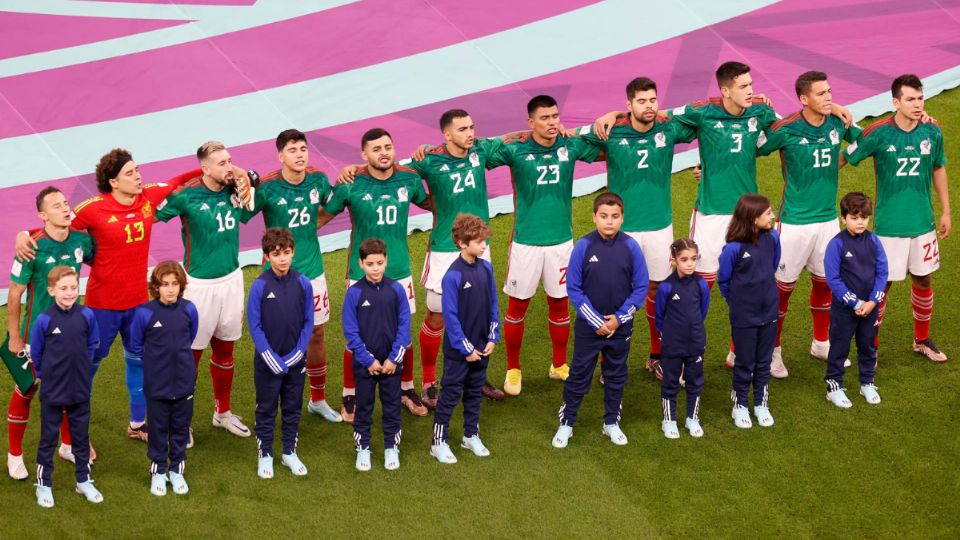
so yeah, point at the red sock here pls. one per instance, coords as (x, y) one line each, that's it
(221, 373)
(651, 307)
(407, 375)
(348, 381)
(709, 277)
(317, 375)
(18, 414)
(197, 355)
(881, 309)
(922, 300)
(430, 339)
(65, 432)
(559, 318)
(820, 297)
(513, 330)
(784, 290)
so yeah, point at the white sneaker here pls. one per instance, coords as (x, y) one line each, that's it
(16, 468)
(179, 484)
(265, 467)
(764, 418)
(777, 369)
(475, 445)
(819, 349)
(391, 459)
(443, 453)
(292, 462)
(741, 418)
(839, 398)
(669, 428)
(231, 423)
(324, 410)
(693, 426)
(45, 496)
(615, 434)
(869, 392)
(562, 437)
(158, 484)
(363, 460)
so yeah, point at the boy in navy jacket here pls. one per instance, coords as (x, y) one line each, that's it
(280, 318)
(64, 369)
(856, 268)
(607, 282)
(376, 325)
(161, 333)
(472, 321)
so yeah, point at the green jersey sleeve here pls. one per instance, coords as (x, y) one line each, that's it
(172, 207)
(22, 271)
(499, 156)
(337, 200)
(583, 150)
(770, 141)
(861, 149)
(259, 201)
(688, 115)
(680, 132)
(418, 192)
(851, 133)
(419, 167)
(490, 147)
(939, 156)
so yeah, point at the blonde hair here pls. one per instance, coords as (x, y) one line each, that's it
(59, 272)
(208, 148)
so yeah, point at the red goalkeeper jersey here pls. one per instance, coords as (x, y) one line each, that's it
(121, 234)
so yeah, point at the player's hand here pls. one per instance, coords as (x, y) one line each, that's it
(945, 227)
(488, 350)
(420, 152)
(603, 125)
(243, 186)
(612, 323)
(842, 113)
(474, 356)
(26, 247)
(698, 173)
(927, 119)
(16, 344)
(866, 308)
(766, 101)
(375, 368)
(347, 174)
(388, 367)
(567, 132)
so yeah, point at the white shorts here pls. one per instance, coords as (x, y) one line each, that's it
(709, 231)
(321, 300)
(920, 255)
(803, 246)
(219, 303)
(407, 283)
(436, 264)
(527, 266)
(655, 246)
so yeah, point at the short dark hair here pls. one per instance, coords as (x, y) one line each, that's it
(289, 135)
(857, 204)
(541, 101)
(607, 198)
(162, 269)
(43, 194)
(681, 245)
(640, 84)
(372, 135)
(805, 81)
(728, 71)
(908, 79)
(468, 227)
(742, 225)
(109, 167)
(372, 246)
(448, 117)
(276, 238)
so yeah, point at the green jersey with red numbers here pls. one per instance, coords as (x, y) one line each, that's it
(728, 150)
(542, 179)
(904, 162)
(379, 209)
(209, 228)
(294, 207)
(458, 185)
(639, 167)
(810, 163)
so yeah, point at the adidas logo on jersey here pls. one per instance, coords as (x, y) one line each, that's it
(271, 295)
(367, 197)
(467, 285)
(675, 296)
(530, 157)
(158, 325)
(593, 258)
(718, 125)
(282, 201)
(113, 219)
(445, 167)
(366, 303)
(804, 141)
(746, 255)
(56, 330)
(51, 260)
(891, 148)
(623, 142)
(204, 206)
(848, 254)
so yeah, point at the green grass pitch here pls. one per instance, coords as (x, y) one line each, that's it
(871, 471)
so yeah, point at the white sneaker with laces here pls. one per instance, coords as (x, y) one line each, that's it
(562, 437)
(158, 484)
(231, 423)
(475, 445)
(265, 467)
(869, 392)
(669, 428)
(16, 468)
(777, 369)
(839, 398)
(363, 460)
(292, 462)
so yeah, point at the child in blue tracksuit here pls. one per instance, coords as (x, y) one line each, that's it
(856, 268)
(746, 278)
(471, 320)
(161, 333)
(682, 302)
(63, 341)
(280, 318)
(376, 325)
(607, 282)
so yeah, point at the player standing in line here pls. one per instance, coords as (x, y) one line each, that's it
(639, 151)
(57, 245)
(379, 204)
(291, 198)
(809, 144)
(908, 157)
(541, 168)
(209, 226)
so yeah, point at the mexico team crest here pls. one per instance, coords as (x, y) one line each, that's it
(925, 147)
(474, 159)
(834, 137)
(402, 195)
(562, 154)
(314, 196)
(752, 124)
(660, 140)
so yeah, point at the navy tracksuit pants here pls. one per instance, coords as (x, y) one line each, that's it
(691, 368)
(78, 418)
(389, 403)
(168, 433)
(586, 349)
(845, 325)
(754, 352)
(285, 389)
(460, 378)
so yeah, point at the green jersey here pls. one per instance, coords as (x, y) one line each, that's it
(379, 209)
(294, 207)
(542, 179)
(728, 150)
(208, 228)
(458, 185)
(76, 249)
(904, 163)
(639, 167)
(810, 163)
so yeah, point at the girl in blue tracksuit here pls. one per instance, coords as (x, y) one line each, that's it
(681, 308)
(162, 333)
(746, 278)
